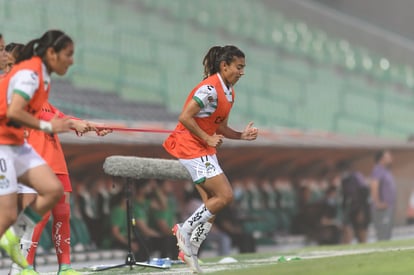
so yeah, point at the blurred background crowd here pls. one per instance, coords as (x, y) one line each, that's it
(332, 209)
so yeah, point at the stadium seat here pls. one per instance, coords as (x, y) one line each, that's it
(141, 49)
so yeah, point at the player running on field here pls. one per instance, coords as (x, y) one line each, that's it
(23, 91)
(202, 126)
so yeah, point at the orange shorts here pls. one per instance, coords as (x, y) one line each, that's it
(65, 180)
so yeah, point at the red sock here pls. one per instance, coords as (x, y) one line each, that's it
(61, 231)
(36, 237)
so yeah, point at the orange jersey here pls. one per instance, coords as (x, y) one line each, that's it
(182, 143)
(48, 145)
(10, 132)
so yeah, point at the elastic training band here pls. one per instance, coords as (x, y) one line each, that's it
(135, 129)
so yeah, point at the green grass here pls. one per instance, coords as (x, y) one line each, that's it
(387, 263)
(382, 258)
(376, 245)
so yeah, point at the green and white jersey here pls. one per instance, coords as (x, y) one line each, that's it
(26, 82)
(206, 97)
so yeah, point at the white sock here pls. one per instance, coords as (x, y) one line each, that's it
(201, 215)
(24, 226)
(26, 242)
(200, 233)
(15, 269)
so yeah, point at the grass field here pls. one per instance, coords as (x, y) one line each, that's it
(382, 258)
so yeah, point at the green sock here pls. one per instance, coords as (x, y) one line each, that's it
(64, 267)
(29, 212)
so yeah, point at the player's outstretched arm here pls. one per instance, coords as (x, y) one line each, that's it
(81, 126)
(250, 132)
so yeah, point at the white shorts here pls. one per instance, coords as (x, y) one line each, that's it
(14, 162)
(24, 189)
(202, 168)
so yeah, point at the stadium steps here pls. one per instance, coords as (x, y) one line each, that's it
(140, 49)
(88, 103)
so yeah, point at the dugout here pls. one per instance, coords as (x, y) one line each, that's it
(284, 153)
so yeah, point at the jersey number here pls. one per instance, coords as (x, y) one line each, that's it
(3, 166)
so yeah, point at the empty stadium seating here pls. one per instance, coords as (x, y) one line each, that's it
(151, 52)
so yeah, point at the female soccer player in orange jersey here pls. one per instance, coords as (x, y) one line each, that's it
(202, 126)
(23, 91)
(48, 146)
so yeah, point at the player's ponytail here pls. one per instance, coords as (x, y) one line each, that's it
(27, 52)
(216, 55)
(210, 60)
(56, 39)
